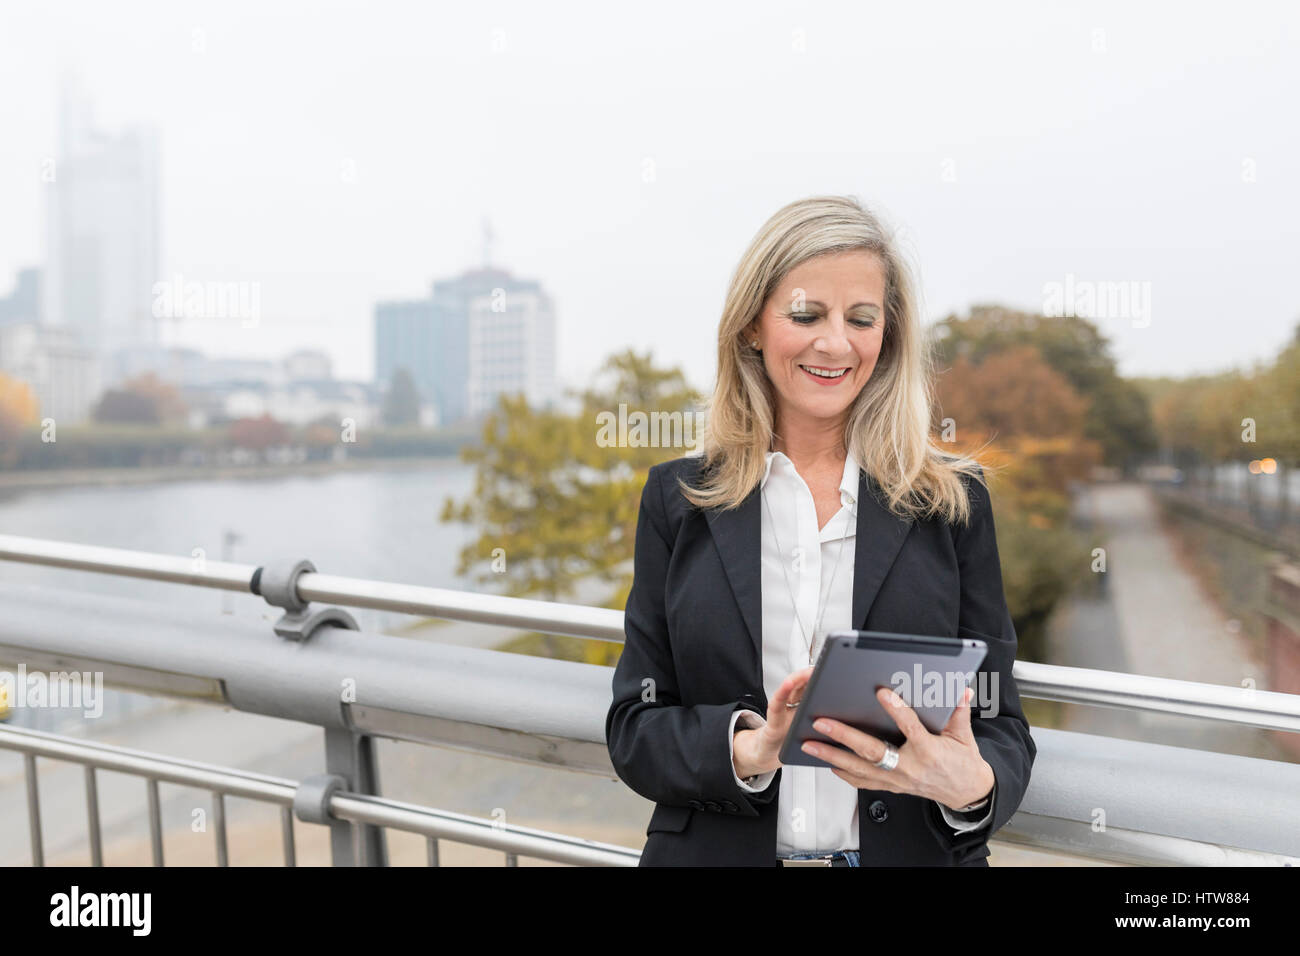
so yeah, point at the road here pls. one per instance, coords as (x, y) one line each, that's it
(1152, 618)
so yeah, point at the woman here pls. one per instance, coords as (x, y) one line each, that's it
(818, 503)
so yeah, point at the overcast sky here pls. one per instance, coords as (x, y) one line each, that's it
(1152, 143)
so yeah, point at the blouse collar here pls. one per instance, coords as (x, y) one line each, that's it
(848, 481)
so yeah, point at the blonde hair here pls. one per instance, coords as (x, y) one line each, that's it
(888, 425)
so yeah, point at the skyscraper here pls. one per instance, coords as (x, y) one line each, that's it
(102, 256)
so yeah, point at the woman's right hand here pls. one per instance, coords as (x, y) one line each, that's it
(756, 751)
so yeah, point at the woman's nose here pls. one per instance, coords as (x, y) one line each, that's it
(835, 340)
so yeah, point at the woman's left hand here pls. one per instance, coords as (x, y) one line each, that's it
(946, 767)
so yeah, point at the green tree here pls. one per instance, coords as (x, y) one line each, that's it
(1282, 394)
(554, 505)
(402, 402)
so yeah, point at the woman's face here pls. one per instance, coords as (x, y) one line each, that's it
(827, 315)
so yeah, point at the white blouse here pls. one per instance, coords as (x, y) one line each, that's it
(818, 810)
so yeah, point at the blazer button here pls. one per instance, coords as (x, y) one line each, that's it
(713, 805)
(878, 811)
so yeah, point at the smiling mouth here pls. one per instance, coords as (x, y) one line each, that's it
(827, 373)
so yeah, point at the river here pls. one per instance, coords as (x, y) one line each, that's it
(370, 524)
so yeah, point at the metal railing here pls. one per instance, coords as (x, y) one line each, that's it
(1164, 804)
(290, 797)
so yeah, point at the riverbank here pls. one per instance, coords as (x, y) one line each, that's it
(73, 477)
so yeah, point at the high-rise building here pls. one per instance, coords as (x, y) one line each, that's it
(409, 335)
(102, 256)
(477, 336)
(511, 349)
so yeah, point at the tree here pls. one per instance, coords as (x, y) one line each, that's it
(1282, 391)
(19, 409)
(402, 403)
(1118, 417)
(1025, 420)
(142, 400)
(258, 434)
(552, 504)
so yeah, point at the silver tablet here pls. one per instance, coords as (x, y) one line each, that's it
(929, 673)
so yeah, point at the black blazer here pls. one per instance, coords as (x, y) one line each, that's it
(694, 627)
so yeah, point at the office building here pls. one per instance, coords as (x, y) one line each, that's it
(478, 335)
(102, 230)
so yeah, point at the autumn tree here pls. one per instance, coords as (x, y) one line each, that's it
(19, 409)
(555, 505)
(258, 434)
(144, 400)
(1025, 421)
(1118, 417)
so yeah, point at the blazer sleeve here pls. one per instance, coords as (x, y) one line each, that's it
(672, 753)
(1003, 734)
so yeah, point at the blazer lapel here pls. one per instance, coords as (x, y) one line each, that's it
(880, 537)
(737, 534)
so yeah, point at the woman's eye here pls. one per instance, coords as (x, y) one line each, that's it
(807, 318)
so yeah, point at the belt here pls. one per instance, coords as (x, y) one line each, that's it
(825, 859)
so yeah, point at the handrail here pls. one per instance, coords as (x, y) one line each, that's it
(574, 620)
(1266, 709)
(1162, 804)
(1225, 703)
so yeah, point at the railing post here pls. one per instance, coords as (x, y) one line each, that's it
(352, 756)
(349, 756)
(34, 810)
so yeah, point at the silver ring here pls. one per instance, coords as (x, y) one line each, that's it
(890, 760)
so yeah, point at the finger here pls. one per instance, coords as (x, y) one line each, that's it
(835, 756)
(839, 757)
(783, 693)
(786, 699)
(959, 723)
(791, 689)
(801, 677)
(882, 781)
(860, 742)
(901, 714)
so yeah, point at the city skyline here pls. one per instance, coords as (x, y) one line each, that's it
(316, 186)
(88, 318)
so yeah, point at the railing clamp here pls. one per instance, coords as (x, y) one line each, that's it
(278, 585)
(311, 801)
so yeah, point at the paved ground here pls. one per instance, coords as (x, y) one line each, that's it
(1152, 618)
